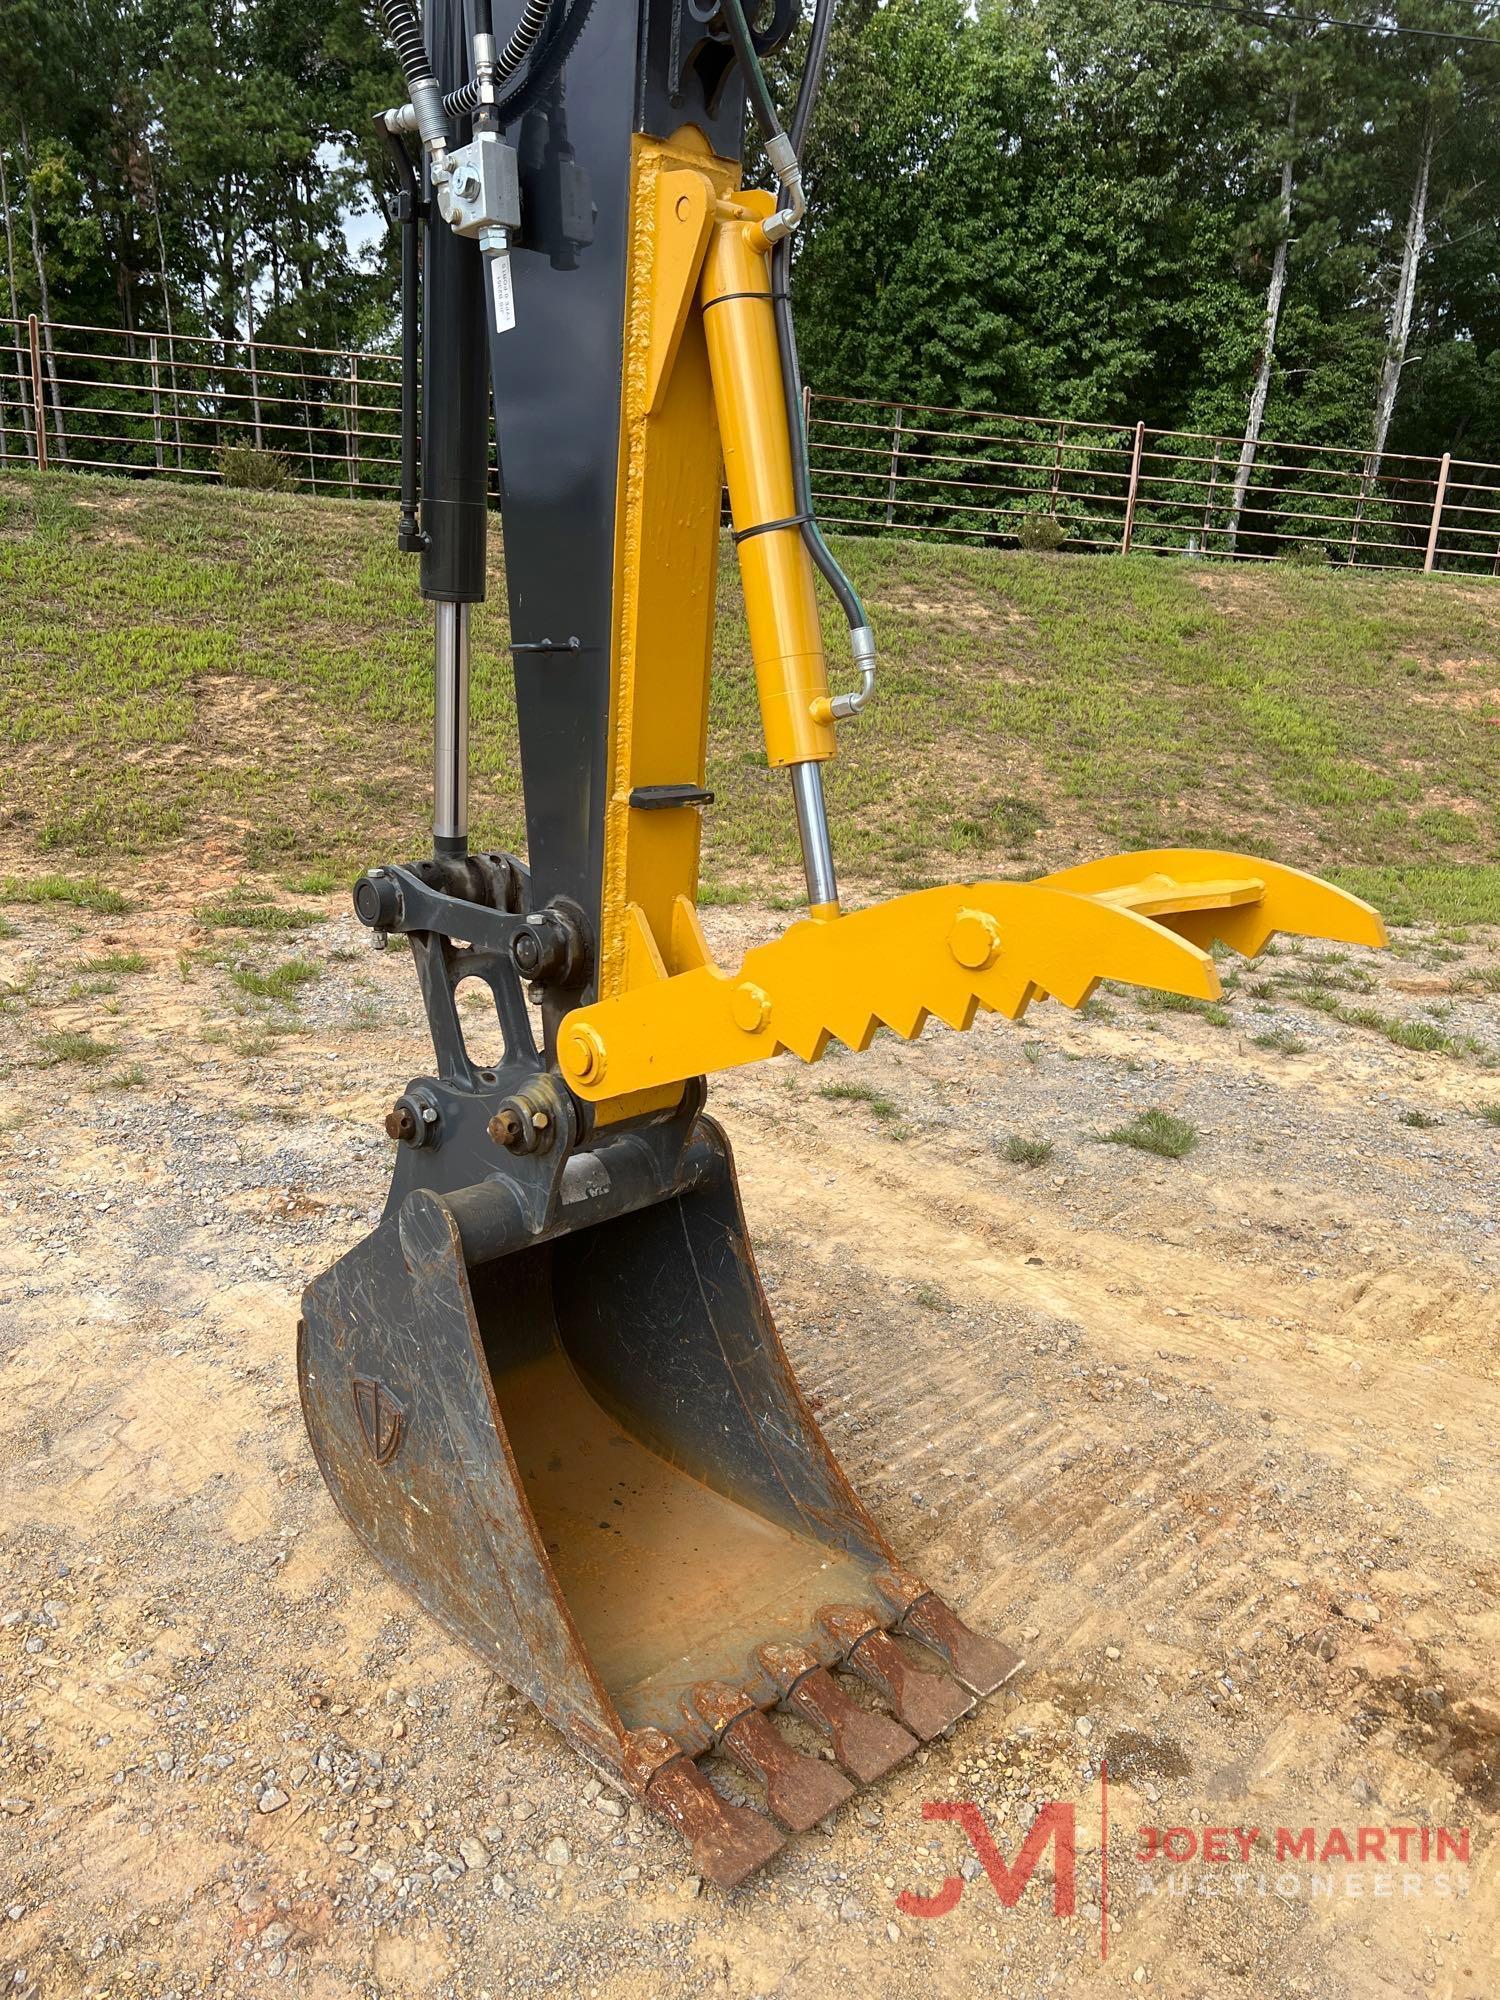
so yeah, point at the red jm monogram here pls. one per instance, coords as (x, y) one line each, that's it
(1053, 1822)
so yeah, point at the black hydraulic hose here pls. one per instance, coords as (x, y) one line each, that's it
(812, 75)
(756, 88)
(516, 50)
(406, 173)
(408, 202)
(406, 33)
(459, 103)
(545, 64)
(823, 557)
(827, 563)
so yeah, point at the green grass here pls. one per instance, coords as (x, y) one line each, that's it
(1435, 894)
(69, 1045)
(860, 1093)
(117, 963)
(1024, 1152)
(1282, 1041)
(1420, 1121)
(88, 894)
(1159, 1132)
(282, 982)
(1311, 715)
(1422, 1037)
(1152, 1002)
(248, 915)
(1490, 1113)
(132, 1077)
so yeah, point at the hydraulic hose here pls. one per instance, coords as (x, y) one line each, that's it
(408, 206)
(829, 569)
(756, 88)
(778, 146)
(459, 103)
(544, 64)
(406, 33)
(518, 47)
(861, 638)
(812, 74)
(416, 67)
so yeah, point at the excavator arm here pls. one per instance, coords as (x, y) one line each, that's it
(546, 1391)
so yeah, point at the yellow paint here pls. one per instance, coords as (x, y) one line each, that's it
(689, 945)
(781, 606)
(701, 369)
(1160, 896)
(949, 953)
(684, 202)
(1235, 898)
(975, 939)
(666, 568)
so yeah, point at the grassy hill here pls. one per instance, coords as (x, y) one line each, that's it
(251, 672)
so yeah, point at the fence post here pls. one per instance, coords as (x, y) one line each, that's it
(890, 487)
(156, 402)
(1056, 468)
(1437, 513)
(38, 407)
(1135, 480)
(1208, 504)
(260, 440)
(353, 415)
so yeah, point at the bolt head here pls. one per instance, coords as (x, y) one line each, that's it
(750, 1006)
(581, 1053)
(506, 1128)
(975, 940)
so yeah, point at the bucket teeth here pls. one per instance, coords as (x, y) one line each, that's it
(866, 1744)
(982, 1664)
(926, 1703)
(800, 1790)
(727, 1842)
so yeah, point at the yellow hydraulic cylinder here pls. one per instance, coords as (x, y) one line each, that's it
(781, 608)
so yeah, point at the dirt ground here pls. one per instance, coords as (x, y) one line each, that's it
(1211, 1440)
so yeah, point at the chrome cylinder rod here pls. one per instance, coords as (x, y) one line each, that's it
(450, 736)
(812, 831)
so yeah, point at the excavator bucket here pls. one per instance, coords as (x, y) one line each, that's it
(589, 1460)
(546, 1390)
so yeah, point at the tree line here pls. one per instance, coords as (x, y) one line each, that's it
(1166, 209)
(1190, 211)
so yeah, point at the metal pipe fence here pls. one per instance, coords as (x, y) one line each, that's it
(978, 476)
(327, 420)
